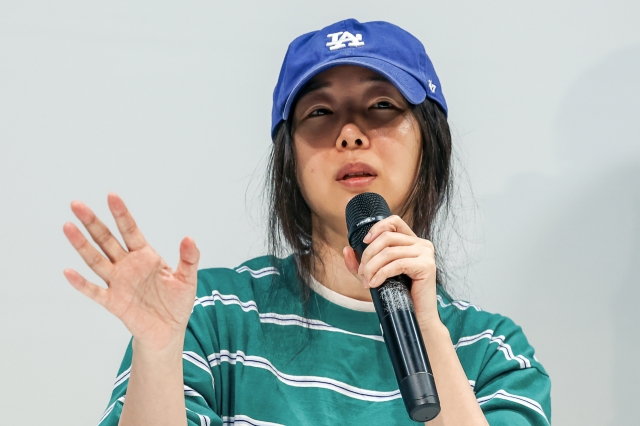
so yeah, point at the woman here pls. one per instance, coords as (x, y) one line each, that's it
(358, 107)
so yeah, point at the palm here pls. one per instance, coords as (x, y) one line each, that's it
(153, 301)
(146, 295)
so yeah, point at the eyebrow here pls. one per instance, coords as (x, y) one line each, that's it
(315, 85)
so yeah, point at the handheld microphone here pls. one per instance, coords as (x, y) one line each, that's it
(394, 307)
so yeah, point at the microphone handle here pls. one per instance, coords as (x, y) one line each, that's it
(408, 354)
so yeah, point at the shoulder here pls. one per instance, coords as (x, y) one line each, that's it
(475, 329)
(252, 280)
(499, 361)
(230, 301)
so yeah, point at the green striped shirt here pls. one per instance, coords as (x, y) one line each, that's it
(252, 356)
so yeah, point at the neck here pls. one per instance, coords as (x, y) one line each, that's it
(329, 268)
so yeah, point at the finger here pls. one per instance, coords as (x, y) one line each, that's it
(130, 232)
(408, 266)
(386, 239)
(92, 257)
(98, 231)
(92, 291)
(393, 223)
(387, 256)
(188, 265)
(351, 262)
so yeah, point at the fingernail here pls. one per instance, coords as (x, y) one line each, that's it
(372, 282)
(366, 237)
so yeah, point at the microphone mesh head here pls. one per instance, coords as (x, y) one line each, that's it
(362, 206)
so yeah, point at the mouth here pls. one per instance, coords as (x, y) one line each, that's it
(355, 171)
(356, 175)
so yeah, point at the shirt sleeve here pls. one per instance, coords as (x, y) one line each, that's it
(199, 385)
(512, 388)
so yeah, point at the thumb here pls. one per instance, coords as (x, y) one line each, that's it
(188, 264)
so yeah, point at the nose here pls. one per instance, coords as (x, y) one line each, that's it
(351, 137)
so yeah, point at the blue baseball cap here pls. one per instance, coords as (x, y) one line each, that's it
(380, 46)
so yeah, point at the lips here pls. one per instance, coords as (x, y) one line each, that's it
(355, 175)
(354, 171)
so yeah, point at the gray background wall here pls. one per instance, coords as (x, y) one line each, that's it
(168, 104)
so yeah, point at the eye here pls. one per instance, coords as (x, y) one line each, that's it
(320, 111)
(383, 105)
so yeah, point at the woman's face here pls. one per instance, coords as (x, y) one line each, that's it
(353, 132)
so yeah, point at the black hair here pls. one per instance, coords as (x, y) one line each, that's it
(290, 227)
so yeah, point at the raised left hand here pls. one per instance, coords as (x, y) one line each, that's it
(393, 250)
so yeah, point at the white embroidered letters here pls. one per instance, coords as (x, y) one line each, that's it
(432, 87)
(338, 40)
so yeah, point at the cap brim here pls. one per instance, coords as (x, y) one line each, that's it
(408, 86)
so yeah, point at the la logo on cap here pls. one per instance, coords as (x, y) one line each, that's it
(338, 40)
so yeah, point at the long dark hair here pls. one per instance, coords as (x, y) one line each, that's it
(290, 227)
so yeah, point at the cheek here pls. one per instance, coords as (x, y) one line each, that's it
(310, 172)
(304, 163)
(401, 149)
(403, 130)
(306, 180)
(400, 143)
(409, 132)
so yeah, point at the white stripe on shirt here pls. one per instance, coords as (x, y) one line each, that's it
(189, 391)
(527, 402)
(241, 420)
(226, 299)
(122, 377)
(504, 347)
(108, 410)
(199, 362)
(269, 270)
(196, 360)
(274, 318)
(302, 381)
(460, 304)
(204, 420)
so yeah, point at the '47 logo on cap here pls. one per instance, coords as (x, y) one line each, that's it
(338, 40)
